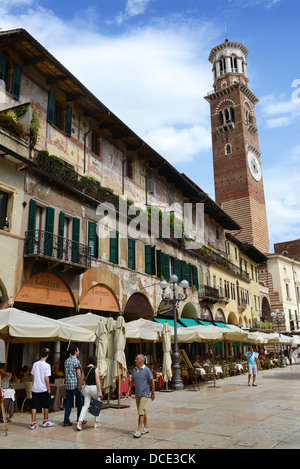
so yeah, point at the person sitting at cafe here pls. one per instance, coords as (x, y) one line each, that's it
(156, 366)
(197, 366)
(5, 377)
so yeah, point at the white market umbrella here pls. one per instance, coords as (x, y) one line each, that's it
(86, 320)
(19, 326)
(257, 338)
(107, 384)
(167, 361)
(119, 363)
(199, 334)
(143, 330)
(101, 348)
(208, 334)
(276, 338)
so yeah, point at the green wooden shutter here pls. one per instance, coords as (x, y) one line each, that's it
(166, 266)
(177, 269)
(150, 181)
(75, 240)
(114, 247)
(93, 239)
(69, 121)
(158, 264)
(31, 226)
(187, 272)
(131, 253)
(148, 259)
(49, 228)
(51, 107)
(2, 65)
(195, 276)
(60, 243)
(16, 82)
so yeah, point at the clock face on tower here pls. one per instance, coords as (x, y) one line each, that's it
(254, 166)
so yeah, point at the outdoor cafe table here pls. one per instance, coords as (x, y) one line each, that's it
(56, 390)
(10, 402)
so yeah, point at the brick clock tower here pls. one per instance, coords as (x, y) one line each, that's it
(236, 157)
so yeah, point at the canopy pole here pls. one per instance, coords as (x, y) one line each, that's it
(2, 407)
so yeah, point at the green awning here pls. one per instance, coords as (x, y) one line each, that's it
(237, 344)
(169, 321)
(205, 323)
(188, 322)
(216, 345)
(221, 324)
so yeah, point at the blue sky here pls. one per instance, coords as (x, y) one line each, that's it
(147, 60)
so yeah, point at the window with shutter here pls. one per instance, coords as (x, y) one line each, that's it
(31, 226)
(93, 240)
(49, 229)
(75, 240)
(187, 272)
(16, 82)
(51, 107)
(150, 181)
(2, 66)
(158, 264)
(177, 269)
(150, 259)
(60, 243)
(166, 266)
(131, 253)
(114, 247)
(195, 276)
(69, 121)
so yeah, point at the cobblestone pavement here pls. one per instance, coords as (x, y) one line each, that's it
(227, 414)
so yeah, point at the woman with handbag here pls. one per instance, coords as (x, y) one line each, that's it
(91, 390)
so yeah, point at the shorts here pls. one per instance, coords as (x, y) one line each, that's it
(40, 400)
(252, 369)
(141, 403)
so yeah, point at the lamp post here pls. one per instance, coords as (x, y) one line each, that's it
(275, 315)
(171, 298)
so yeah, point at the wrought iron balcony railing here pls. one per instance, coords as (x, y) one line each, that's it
(43, 243)
(209, 294)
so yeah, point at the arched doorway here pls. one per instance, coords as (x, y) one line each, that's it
(46, 294)
(189, 311)
(100, 298)
(138, 306)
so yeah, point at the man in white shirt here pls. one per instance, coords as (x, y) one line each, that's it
(41, 371)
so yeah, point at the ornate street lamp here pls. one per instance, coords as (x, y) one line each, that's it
(171, 298)
(275, 315)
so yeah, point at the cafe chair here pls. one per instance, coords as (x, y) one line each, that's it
(233, 370)
(155, 378)
(193, 377)
(209, 372)
(28, 387)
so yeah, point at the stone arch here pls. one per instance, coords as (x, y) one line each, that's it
(138, 306)
(46, 289)
(220, 316)
(100, 298)
(232, 318)
(265, 308)
(189, 311)
(3, 295)
(206, 313)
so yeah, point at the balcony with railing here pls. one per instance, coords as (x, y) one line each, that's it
(208, 294)
(57, 250)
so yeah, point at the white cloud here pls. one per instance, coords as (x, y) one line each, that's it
(282, 192)
(133, 8)
(154, 78)
(280, 110)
